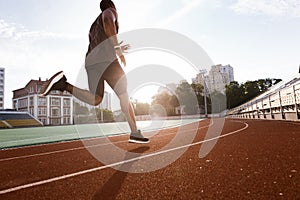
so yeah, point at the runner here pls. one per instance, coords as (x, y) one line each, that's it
(101, 65)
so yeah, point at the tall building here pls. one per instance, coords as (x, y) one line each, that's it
(219, 76)
(2, 76)
(54, 109)
(202, 79)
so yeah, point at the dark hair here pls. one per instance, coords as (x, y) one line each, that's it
(105, 4)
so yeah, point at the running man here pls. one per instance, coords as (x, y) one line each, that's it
(101, 65)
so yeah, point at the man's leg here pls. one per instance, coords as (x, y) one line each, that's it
(117, 80)
(136, 135)
(128, 111)
(59, 82)
(84, 95)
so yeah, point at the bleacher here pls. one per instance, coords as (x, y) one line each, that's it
(281, 102)
(13, 119)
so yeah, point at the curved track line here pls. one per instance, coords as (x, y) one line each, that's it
(91, 138)
(117, 163)
(84, 147)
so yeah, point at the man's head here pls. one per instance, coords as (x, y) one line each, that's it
(105, 4)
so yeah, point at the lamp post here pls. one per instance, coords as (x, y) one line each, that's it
(203, 72)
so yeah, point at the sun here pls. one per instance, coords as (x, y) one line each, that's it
(144, 93)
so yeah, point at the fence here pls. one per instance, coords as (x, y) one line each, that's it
(281, 102)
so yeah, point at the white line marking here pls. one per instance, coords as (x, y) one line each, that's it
(84, 147)
(114, 164)
(86, 139)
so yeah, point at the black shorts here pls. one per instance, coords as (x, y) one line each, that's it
(112, 73)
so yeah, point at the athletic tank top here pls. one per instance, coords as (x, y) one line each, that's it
(99, 42)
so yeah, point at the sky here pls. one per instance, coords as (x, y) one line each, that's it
(258, 38)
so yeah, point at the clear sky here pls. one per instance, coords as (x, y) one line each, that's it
(259, 38)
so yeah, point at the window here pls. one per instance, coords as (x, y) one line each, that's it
(42, 112)
(31, 111)
(55, 112)
(31, 89)
(43, 120)
(39, 88)
(66, 111)
(55, 92)
(66, 102)
(23, 103)
(31, 101)
(15, 105)
(66, 120)
(55, 101)
(42, 101)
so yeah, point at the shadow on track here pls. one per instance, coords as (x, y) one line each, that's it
(111, 188)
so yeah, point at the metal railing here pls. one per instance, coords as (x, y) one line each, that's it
(281, 102)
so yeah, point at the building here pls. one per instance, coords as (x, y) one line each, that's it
(2, 79)
(219, 77)
(202, 79)
(54, 109)
(106, 103)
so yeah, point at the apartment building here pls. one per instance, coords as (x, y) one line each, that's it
(54, 109)
(2, 84)
(219, 77)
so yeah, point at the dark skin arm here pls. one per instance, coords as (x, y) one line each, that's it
(110, 17)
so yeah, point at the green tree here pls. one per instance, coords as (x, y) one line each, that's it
(104, 114)
(187, 97)
(235, 94)
(142, 108)
(238, 94)
(80, 110)
(163, 104)
(218, 102)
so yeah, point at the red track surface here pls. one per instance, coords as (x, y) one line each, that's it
(255, 159)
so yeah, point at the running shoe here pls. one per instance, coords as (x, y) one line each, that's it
(57, 82)
(138, 138)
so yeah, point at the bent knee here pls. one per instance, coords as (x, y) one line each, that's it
(98, 100)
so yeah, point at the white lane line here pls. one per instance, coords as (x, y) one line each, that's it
(100, 136)
(38, 183)
(84, 147)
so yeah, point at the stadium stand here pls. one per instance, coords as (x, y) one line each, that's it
(12, 119)
(281, 102)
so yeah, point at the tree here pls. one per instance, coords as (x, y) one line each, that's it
(163, 104)
(218, 102)
(235, 94)
(104, 114)
(141, 108)
(187, 97)
(80, 110)
(199, 91)
(238, 94)
(251, 90)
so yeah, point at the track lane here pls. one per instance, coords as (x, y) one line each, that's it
(229, 161)
(157, 153)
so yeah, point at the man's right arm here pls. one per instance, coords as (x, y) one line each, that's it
(109, 23)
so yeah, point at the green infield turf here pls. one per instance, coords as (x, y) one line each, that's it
(10, 138)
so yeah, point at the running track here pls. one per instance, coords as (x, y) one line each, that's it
(253, 159)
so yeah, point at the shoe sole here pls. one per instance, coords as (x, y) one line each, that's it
(53, 80)
(138, 141)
